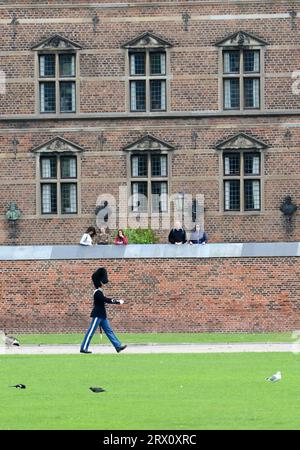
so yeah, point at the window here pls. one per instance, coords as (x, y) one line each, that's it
(58, 179)
(147, 80)
(242, 181)
(241, 79)
(57, 82)
(149, 182)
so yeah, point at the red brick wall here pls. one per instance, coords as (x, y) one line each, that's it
(161, 295)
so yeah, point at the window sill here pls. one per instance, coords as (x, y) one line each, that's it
(242, 213)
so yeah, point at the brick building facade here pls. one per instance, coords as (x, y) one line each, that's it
(193, 97)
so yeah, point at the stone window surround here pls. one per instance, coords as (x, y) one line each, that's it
(57, 147)
(56, 45)
(241, 143)
(149, 145)
(241, 178)
(241, 41)
(146, 42)
(149, 178)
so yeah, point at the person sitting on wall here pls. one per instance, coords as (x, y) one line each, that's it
(177, 235)
(198, 236)
(88, 236)
(121, 239)
(103, 237)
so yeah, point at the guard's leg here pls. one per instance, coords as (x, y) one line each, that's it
(89, 334)
(110, 334)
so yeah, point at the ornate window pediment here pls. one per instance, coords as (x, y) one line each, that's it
(241, 39)
(148, 143)
(58, 145)
(147, 40)
(56, 42)
(241, 141)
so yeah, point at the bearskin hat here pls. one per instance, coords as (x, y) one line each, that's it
(100, 277)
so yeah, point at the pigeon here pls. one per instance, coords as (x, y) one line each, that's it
(275, 377)
(19, 386)
(97, 389)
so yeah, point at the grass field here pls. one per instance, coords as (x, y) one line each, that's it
(144, 392)
(173, 338)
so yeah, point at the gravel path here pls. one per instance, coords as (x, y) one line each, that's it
(72, 349)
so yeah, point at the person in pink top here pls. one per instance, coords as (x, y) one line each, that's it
(121, 239)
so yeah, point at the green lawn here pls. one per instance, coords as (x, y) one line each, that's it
(147, 338)
(158, 392)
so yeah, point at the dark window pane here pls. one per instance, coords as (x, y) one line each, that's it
(158, 63)
(68, 167)
(232, 195)
(252, 194)
(251, 61)
(47, 65)
(137, 64)
(139, 167)
(49, 198)
(232, 93)
(231, 61)
(69, 198)
(159, 165)
(231, 164)
(138, 95)
(139, 196)
(67, 96)
(48, 167)
(47, 97)
(158, 95)
(67, 65)
(159, 192)
(251, 92)
(251, 164)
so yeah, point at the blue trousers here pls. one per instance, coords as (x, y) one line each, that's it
(105, 325)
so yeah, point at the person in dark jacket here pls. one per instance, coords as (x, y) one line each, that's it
(198, 236)
(98, 314)
(177, 235)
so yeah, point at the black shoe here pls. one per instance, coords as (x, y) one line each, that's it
(84, 351)
(121, 348)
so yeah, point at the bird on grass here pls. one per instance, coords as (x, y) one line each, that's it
(274, 378)
(19, 386)
(97, 389)
(8, 340)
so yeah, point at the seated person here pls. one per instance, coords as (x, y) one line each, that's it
(87, 238)
(103, 237)
(121, 239)
(197, 236)
(177, 235)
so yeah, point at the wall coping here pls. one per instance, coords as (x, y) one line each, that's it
(149, 251)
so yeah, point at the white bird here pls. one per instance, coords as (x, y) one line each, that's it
(276, 377)
(8, 340)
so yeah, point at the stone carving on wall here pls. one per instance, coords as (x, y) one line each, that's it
(147, 143)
